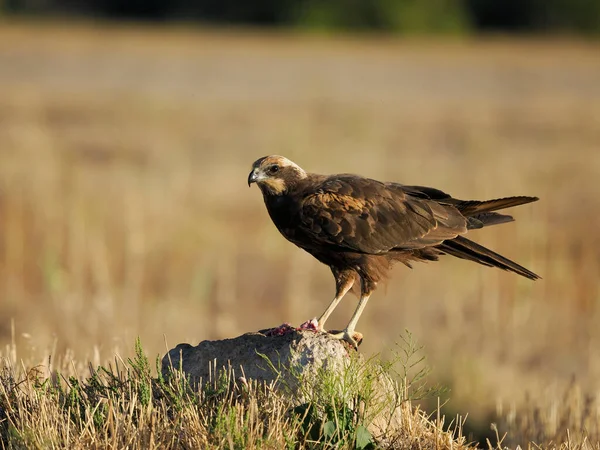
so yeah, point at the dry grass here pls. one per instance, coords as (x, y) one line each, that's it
(124, 210)
(559, 415)
(123, 406)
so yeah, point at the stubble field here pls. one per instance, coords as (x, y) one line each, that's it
(124, 210)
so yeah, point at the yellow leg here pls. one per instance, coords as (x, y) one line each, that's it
(339, 295)
(347, 334)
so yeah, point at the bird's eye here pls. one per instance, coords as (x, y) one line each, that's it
(273, 169)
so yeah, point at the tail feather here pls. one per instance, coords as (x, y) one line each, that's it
(485, 219)
(473, 207)
(461, 247)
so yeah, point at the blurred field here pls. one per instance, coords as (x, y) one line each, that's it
(124, 209)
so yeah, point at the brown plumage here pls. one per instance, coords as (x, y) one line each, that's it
(359, 227)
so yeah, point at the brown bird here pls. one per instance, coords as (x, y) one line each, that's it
(359, 226)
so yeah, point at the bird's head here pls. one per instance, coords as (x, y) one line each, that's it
(275, 175)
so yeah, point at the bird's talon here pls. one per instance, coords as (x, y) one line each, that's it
(354, 339)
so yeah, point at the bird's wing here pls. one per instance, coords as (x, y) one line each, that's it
(351, 213)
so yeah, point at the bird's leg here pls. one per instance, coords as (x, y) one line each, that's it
(348, 333)
(343, 283)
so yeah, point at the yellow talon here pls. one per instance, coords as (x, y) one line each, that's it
(354, 339)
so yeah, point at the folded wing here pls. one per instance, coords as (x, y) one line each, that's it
(351, 213)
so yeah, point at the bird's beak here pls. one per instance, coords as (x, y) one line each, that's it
(253, 177)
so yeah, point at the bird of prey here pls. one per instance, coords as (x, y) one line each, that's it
(359, 226)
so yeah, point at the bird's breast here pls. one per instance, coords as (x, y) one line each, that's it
(284, 213)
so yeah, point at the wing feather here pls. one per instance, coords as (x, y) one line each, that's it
(358, 214)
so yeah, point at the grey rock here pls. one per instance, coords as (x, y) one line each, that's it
(281, 358)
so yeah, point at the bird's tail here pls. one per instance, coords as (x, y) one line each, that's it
(473, 207)
(481, 213)
(466, 249)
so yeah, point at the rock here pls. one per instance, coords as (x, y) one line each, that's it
(292, 353)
